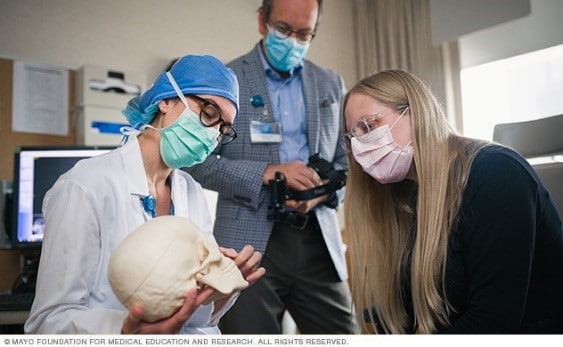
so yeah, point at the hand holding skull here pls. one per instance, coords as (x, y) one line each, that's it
(160, 261)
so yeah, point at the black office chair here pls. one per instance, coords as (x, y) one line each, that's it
(538, 138)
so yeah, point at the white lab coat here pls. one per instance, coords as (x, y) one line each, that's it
(88, 211)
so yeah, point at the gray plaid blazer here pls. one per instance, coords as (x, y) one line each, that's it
(235, 170)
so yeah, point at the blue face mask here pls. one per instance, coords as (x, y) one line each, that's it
(284, 54)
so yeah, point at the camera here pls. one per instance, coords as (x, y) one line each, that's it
(279, 192)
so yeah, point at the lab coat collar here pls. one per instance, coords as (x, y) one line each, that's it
(134, 168)
(179, 194)
(137, 183)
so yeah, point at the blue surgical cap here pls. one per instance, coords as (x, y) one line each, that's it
(195, 74)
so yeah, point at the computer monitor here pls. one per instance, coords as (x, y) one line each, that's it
(35, 171)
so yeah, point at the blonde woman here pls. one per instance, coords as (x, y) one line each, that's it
(446, 233)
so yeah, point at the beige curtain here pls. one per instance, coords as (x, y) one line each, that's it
(396, 34)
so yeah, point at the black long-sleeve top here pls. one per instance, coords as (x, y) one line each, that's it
(504, 272)
(505, 267)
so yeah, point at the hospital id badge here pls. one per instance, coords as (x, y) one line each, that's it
(265, 132)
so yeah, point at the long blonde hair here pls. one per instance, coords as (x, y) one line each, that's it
(394, 230)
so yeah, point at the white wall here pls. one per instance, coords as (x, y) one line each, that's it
(145, 35)
(452, 19)
(543, 28)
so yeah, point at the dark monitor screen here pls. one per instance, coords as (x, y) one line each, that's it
(35, 171)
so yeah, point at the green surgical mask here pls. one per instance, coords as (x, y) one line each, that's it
(186, 142)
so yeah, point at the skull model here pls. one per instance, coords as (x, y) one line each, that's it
(158, 262)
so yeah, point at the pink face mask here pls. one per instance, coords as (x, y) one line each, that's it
(380, 156)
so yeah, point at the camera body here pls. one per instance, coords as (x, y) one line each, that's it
(279, 192)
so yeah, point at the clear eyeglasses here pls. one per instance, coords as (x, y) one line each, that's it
(366, 124)
(283, 31)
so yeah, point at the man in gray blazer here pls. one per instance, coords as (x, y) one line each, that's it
(289, 110)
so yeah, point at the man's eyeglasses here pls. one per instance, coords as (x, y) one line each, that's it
(283, 31)
(210, 115)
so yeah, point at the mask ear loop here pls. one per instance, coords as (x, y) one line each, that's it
(392, 126)
(176, 88)
(183, 99)
(404, 148)
(398, 119)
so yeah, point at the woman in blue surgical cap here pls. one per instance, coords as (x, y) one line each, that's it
(176, 123)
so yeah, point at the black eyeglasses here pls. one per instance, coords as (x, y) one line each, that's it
(283, 31)
(210, 115)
